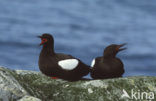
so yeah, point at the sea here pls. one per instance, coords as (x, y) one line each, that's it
(81, 28)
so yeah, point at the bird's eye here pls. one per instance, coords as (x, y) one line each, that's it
(44, 40)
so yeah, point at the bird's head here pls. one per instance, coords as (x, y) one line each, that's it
(113, 49)
(46, 38)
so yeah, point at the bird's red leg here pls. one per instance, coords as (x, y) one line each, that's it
(54, 78)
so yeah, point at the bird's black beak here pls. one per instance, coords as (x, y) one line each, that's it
(121, 48)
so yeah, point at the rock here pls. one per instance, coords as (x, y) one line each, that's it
(24, 85)
(9, 86)
(10, 89)
(29, 98)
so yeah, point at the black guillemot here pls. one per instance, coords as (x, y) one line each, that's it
(108, 66)
(58, 65)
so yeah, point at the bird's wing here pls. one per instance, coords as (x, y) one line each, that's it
(68, 64)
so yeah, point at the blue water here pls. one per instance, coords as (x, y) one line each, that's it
(82, 28)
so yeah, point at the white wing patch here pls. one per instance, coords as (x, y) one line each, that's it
(68, 64)
(93, 63)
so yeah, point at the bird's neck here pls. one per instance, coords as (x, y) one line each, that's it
(109, 56)
(48, 49)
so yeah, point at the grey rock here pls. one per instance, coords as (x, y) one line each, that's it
(10, 89)
(29, 98)
(34, 85)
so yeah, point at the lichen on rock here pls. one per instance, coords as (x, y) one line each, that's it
(22, 85)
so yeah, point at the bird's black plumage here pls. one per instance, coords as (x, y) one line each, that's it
(108, 66)
(48, 62)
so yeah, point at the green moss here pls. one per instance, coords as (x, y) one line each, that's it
(40, 86)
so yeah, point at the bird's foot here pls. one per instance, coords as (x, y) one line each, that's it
(54, 78)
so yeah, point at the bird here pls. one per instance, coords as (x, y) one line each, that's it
(108, 66)
(59, 65)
